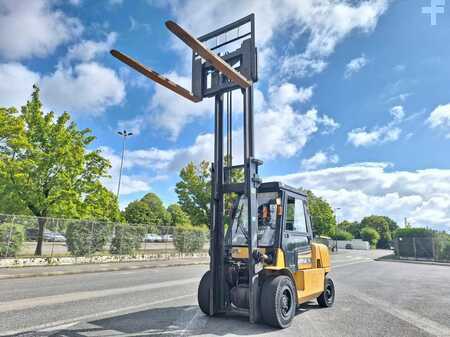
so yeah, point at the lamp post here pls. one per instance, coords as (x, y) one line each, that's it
(124, 134)
(335, 209)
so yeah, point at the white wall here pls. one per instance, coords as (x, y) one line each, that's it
(356, 244)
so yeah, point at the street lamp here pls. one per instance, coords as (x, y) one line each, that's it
(335, 209)
(124, 134)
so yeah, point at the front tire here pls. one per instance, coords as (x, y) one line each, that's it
(203, 292)
(326, 299)
(278, 301)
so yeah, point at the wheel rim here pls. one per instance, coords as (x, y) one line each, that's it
(286, 303)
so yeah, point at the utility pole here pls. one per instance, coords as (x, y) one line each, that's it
(124, 134)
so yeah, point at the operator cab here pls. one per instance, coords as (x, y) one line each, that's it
(283, 222)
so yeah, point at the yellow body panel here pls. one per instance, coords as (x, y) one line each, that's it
(309, 283)
(279, 263)
(309, 279)
(242, 252)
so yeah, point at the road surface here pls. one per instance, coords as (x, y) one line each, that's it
(373, 298)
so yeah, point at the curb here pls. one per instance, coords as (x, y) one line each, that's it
(101, 270)
(431, 263)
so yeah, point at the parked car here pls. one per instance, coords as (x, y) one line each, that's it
(150, 237)
(167, 238)
(32, 235)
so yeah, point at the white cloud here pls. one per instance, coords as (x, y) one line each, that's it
(379, 135)
(362, 137)
(288, 93)
(355, 66)
(16, 82)
(440, 117)
(87, 50)
(301, 66)
(34, 28)
(86, 88)
(362, 189)
(319, 159)
(173, 112)
(283, 132)
(398, 112)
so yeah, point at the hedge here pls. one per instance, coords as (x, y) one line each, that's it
(12, 237)
(189, 239)
(127, 239)
(413, 232)
(84, 239)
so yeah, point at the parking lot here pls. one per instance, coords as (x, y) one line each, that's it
(373, 298)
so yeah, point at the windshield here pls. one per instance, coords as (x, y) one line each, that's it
(267, 220)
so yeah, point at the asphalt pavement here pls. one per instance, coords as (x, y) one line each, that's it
(373, 298)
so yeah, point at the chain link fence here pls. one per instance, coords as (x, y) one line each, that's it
(431, 247)
(27, 236)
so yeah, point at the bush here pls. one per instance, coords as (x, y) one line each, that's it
(84, 239)
(127, 239)
(12, 237)
(412, 232)
(442, 246)
(342, 235)
(189, 239)
(371, 235)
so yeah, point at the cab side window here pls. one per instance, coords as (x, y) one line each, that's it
(295, 218)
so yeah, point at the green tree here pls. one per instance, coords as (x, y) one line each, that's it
(148, 210)
(323, 218)
(178, 217)
(370, 235)
(45, 162)
(382, 225)
(352, 227)
(194, 192)
(340, 234)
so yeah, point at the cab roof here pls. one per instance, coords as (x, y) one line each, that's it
(276, 186)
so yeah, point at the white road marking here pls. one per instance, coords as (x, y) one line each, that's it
(60, 327)
(425, 324)
(44, 327)
(349, 264)
(28, 303)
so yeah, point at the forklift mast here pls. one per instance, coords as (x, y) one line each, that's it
(222, 61)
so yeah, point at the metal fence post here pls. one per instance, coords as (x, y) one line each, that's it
(54, 238)
(414, 247)
(91, 238)
(9, 241)
(145, 238)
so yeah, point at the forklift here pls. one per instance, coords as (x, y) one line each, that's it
(265, 263)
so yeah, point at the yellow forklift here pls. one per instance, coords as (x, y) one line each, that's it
(266, 263)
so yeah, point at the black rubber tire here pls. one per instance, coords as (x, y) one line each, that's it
(278, 301)
(203, 292)
(326, 299)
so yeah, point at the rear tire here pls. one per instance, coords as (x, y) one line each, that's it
(326, 299)
(203, 292)
(278, 301)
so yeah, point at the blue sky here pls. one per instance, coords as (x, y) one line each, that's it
(352, 100)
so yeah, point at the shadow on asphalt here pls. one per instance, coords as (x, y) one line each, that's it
(171, 321)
